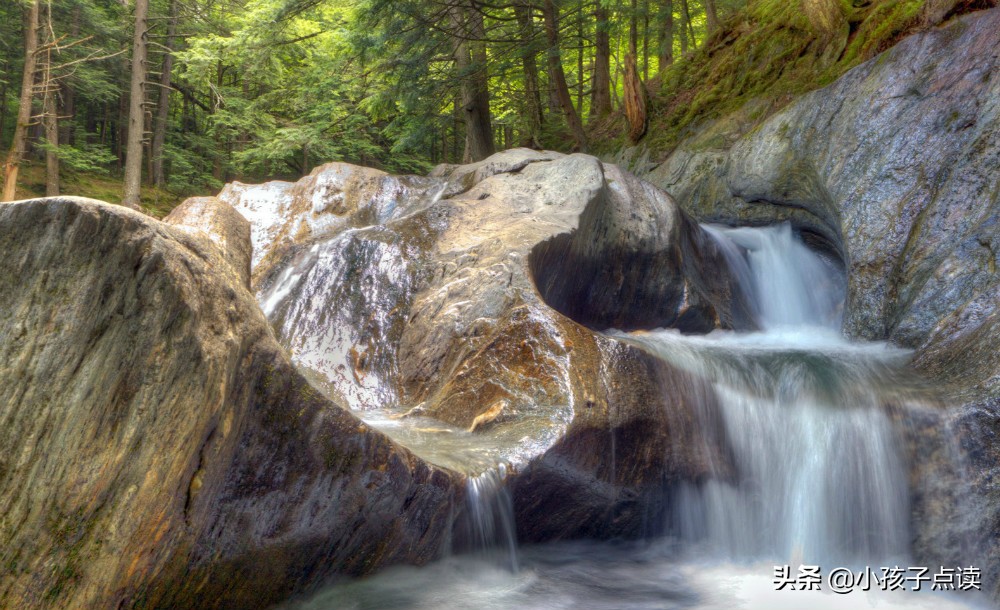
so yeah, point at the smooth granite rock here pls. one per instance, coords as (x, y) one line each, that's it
(159, 450)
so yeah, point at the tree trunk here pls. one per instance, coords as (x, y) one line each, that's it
(600, 102)
(3, 108)
(633, 30)
(19, 142)
(470, 64)
(163, 105)
(50, 120)
(666, 36)
(579, 65)
(67, 96)
(550, 15)
(635, 101)
(529, 65)
(711, 18)
(645, 40)
(136, 113)
(690, 24)
(684, 28)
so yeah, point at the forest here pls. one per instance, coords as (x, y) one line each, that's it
(166, 98)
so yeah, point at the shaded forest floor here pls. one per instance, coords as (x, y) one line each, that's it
(156, 201)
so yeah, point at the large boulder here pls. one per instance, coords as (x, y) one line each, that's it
(479, 302)
(894, 168)
(333, 197)
(159, 449)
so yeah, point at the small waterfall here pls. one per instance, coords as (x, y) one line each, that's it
(814, 471)
(787, 284)
(490, 522)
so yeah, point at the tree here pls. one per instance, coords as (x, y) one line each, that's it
(50, 118)
(470, 64)
(523, 11)
(601, 98)
(19, 142)
(711, 17)
(157, 176)
(137, 110)
(551, 18)
(666, 56)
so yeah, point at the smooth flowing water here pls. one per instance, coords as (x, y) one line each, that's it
(813, 474)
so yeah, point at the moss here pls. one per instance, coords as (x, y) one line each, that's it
(155, 201)
(765, 52)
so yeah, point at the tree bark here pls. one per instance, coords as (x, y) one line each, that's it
(470, 63)
(17, 146)
(67, 97)
(635, 100)
(136, 113)
(633, 30)
(600, 102)
(529, 66)
(685, 18)
(690, 25)
(163, 105)
(550, 14)
(711, 18)
(50, 119)
(579, 64)
(645, 40)
(666, 35)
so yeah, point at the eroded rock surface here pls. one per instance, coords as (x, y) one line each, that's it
(159, 448)
(894, 167)
(478, 306)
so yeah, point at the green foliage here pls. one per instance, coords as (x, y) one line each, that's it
(271, 88)
(84, 157)
(768, 52)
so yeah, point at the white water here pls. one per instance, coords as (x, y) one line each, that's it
(815, 472)
(812, 473)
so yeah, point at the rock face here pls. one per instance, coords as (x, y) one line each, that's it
(894, 168)
(475, 302)
(159, 448)
(222, 224)
(333, 197)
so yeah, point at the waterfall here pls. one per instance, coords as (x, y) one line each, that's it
(490, 520)
(814, 469)
(812, 473)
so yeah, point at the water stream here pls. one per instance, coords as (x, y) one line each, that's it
(814, 472)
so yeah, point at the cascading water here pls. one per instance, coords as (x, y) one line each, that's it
(812, 471)
(816, 472)
(491, 516)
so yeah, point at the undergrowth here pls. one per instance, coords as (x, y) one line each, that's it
(766, 52)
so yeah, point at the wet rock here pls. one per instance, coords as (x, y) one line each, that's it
(893, 167)
(333, 197)
(159, 448)
(481, 309)
(461, 178)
